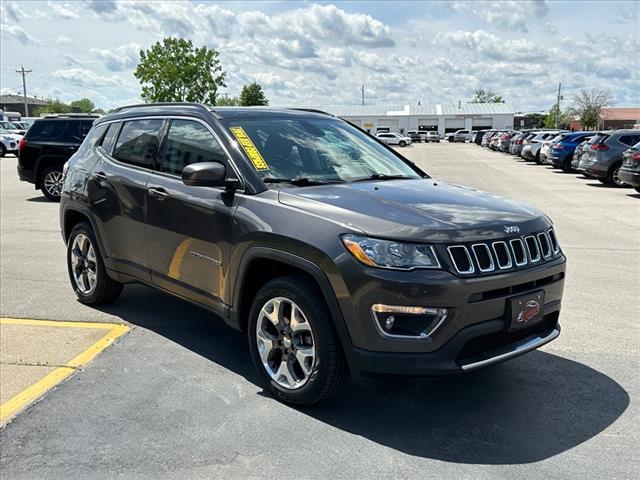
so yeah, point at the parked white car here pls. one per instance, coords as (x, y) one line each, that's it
(432, 137)
(459, 136)
(8, 142)
(394, 139)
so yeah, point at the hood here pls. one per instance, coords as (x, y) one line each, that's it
(421, 209)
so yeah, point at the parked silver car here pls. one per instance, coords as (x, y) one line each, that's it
(394, 139)
(603, 159)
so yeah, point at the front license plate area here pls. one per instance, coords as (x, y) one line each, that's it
(525, 310)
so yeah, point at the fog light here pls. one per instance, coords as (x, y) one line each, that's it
(408, 322)
(388, 323)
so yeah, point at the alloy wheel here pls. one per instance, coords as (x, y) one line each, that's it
(84, 264)
(616, 177)
(53, 183)
(285, 343)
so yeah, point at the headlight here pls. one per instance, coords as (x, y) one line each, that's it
(390, 254)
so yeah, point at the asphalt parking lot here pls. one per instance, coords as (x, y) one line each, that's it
(177, 397)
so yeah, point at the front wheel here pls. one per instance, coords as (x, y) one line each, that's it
(51, 185)
(403, 143)
(293, 343)
(87, 273)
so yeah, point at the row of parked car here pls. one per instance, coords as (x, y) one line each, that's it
(10, 135)
(612, 156)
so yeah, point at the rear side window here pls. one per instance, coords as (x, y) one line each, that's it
(188, 142)
(46, 130)
(629, 139)
(110, 138)
(138, 142)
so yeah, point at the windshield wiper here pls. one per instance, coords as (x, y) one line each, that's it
(301, 181)
(383, 176)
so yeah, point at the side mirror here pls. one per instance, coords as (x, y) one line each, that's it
(204, 174)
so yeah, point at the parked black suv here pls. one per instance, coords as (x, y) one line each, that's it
(328, 248)
(46, 147)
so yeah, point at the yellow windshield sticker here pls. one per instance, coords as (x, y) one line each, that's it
(249, 148)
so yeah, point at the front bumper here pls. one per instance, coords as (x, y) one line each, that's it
(630, 177)
(476, 309)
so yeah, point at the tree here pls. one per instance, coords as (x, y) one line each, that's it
(486, 96)
(564, 118)
(227, 101)
(84, 105)
(175, 71)
(252, 94)
(536, 120)
(52, 106)
(588, 104)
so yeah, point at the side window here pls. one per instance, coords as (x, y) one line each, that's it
(96, 135)
(84, 128)
(138, 142)
(47, 130)
(110, 138)
(188, 142)
(630, 139)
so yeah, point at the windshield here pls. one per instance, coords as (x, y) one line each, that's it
(316, 150)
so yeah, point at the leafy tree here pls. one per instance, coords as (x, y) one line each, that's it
(84, 105)
(564, 118)
(252, 94)
(486, 96)
(175, 71)
(588, 104)
(227, 101)
(52, 106)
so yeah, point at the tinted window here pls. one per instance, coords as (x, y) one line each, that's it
(138, 142)
(188, 142)
(47, 130)
(110, 138)
(630, 139)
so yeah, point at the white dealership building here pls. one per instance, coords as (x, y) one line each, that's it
(440, 118)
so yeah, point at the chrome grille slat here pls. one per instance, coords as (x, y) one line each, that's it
(545, 244)
(530, 241)
(483, 246)
(502, 245)
(554, 241)
(520, 243)
(461, 248)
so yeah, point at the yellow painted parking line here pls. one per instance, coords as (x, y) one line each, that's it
(35, 391)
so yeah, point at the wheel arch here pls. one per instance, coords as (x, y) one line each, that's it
(45, 162)
(261, 264)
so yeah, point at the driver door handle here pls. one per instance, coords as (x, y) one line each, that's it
(158, 193)
(101, 178)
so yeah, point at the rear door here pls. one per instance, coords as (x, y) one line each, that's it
(117, 191)
(189, 228)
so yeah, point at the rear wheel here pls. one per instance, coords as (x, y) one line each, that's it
(566, 166)
(87, 273)
(293, 343)
(637, 189)
(51, 183)
(403, 143)
(3, 150)
(614, 176)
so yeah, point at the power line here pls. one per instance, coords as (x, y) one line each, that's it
(24, 73)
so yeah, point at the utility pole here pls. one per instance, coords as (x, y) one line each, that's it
(362, 89)
(555, 123)
(24, 73)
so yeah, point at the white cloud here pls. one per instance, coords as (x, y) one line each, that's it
(18, 33)
(516, 15)
(11, 12)
(120, 58)
(84, 77)
(64, 10)
(62, 40)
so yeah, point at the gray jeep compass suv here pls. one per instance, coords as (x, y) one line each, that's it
(331, 251)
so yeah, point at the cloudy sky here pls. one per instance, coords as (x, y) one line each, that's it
(314, 53)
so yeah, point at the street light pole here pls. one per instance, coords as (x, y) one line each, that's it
(555, 123)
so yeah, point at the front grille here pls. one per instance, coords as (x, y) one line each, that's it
(478, 346)
(500, 255)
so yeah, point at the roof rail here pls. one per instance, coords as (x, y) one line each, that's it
(162, 104)
(71, 115)
(312, 110)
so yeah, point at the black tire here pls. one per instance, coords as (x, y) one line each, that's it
(605, 181)
(566, 166)
(402, 143)
(637, 189)
(106, 289)
(48, 191)
(3, 150)
(329, 368)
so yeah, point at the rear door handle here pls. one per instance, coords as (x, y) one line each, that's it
(158, 193)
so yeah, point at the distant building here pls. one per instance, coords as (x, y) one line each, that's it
(440, 118)
(15, 103)
(613, 118)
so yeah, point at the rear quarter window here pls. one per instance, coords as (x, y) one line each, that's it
(46, 130)
(629, 139)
